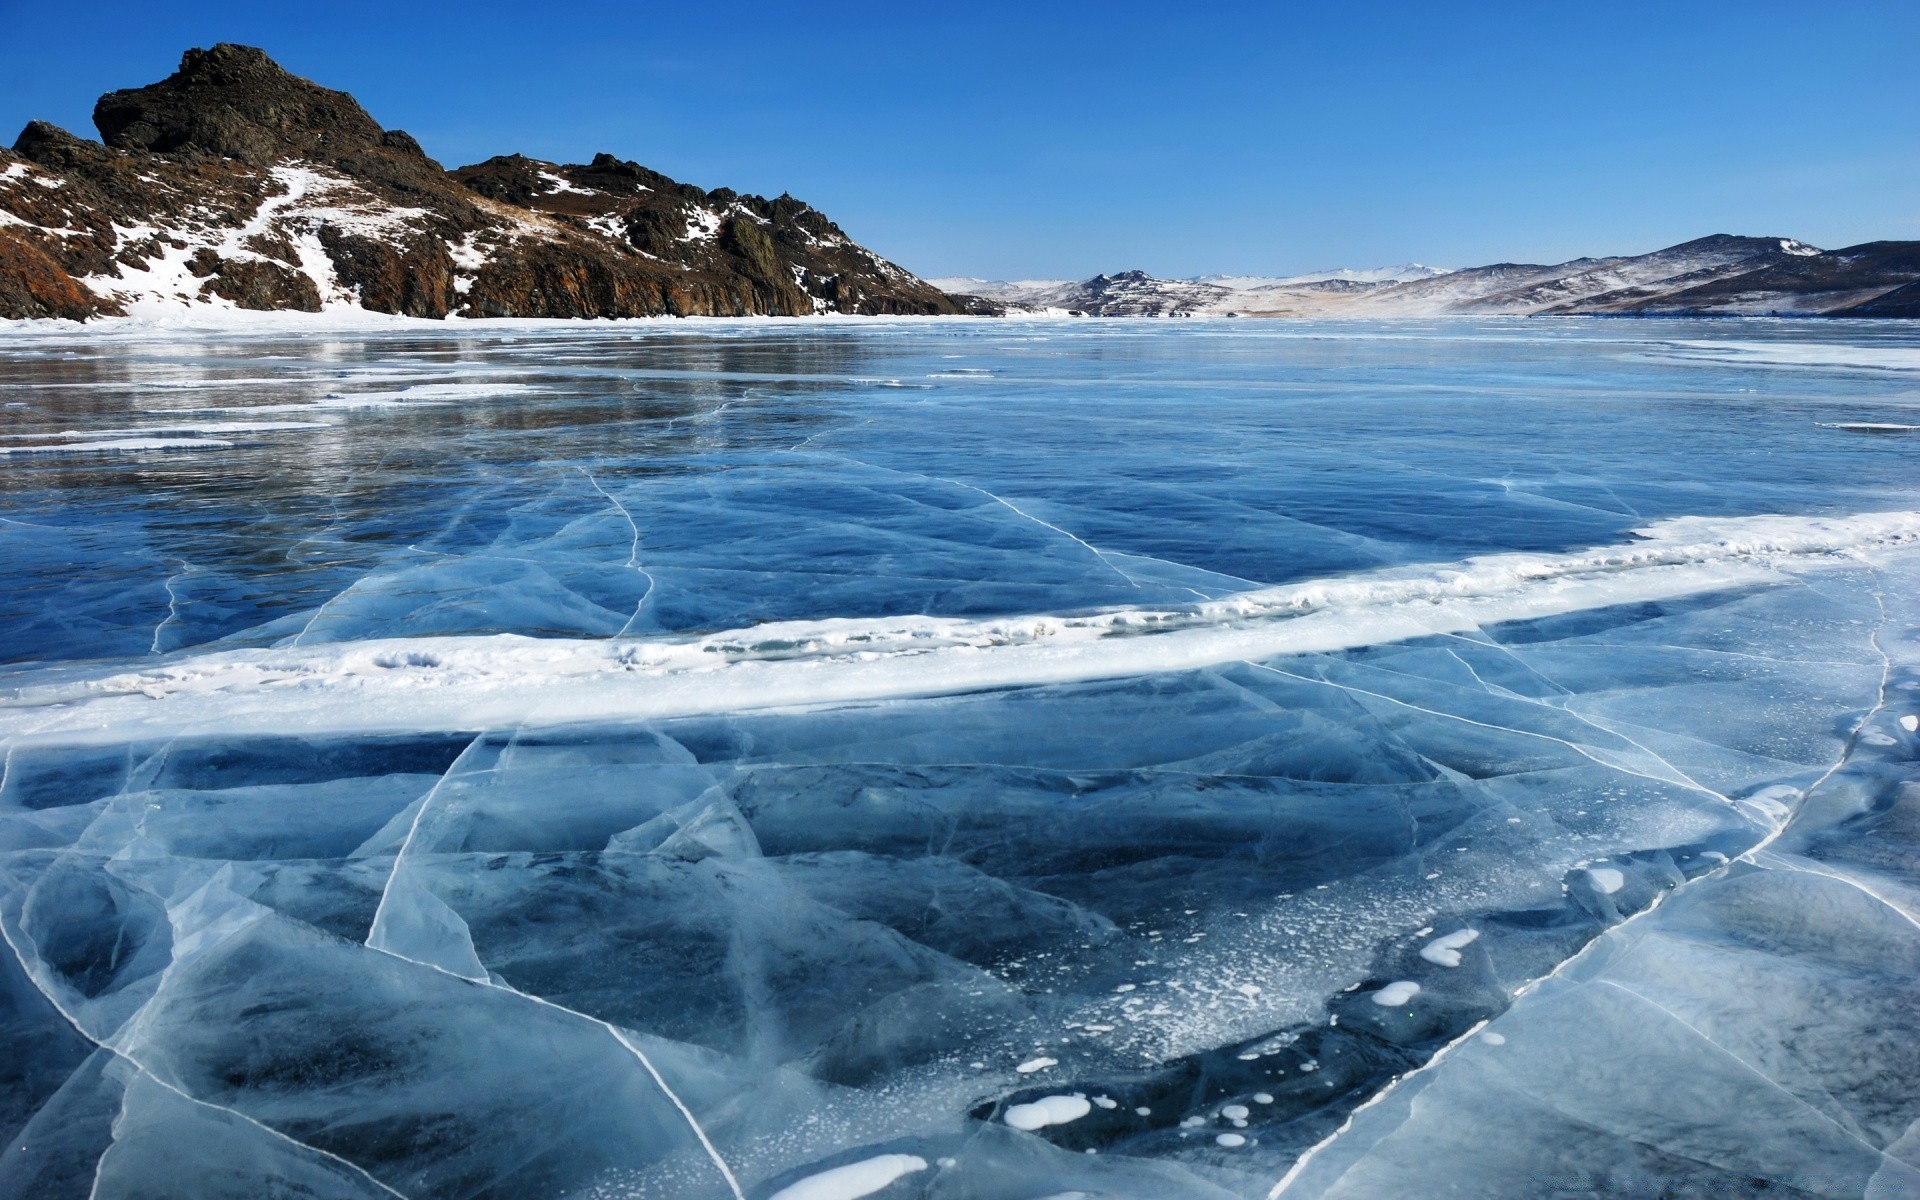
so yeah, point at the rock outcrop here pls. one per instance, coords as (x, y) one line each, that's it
(235, 183)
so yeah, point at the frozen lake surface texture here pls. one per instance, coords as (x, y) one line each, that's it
(961, 759)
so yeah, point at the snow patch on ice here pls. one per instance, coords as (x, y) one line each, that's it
(1445, 951)
(854, 1180)
(1606, 879)
(1801, 354)
(124, 445)
(1397, 993)
(1048, 1110)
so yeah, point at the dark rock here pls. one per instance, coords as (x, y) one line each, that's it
(265, 286)
(401, 140)
(411, 276)
(236, 102)
(51, 146)
(774, 287)
(554, 282)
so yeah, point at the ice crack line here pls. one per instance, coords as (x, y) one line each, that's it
(693, 1123)
(400, 855)
(1680, 776)
(374, 929)
(1749, 856)
(1853, 735)
(1852, 1134)
(1545, 737)
(20, 957)
(633, 551)
(173, 604)
(1075, 538)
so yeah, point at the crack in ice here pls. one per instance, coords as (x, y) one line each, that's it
(128, 1058)
(1749, 856)
(633, 552)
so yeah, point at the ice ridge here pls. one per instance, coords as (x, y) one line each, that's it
(473, 682)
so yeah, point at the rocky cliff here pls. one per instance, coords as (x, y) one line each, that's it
(235, 183)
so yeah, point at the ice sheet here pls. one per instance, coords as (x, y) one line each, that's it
(739, 760)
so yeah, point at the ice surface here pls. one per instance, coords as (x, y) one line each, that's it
(742, 761)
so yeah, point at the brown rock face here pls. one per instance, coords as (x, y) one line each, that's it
(33, 285)
(410, 276)
(234, 181)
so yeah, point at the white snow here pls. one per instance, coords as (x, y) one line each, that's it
(121, 445)
(1402, 273)
(1048, 1110)
(702, 225)
(468, 259)
(853, 1180)
(1445, 951)
(558, 185)
(1606, 879)
(190, 427)
(1231, 1141)
(1801, 354)
(301, 199)
(1036, 1064)
(608, 225)
(1397, 993)
(1910, 723)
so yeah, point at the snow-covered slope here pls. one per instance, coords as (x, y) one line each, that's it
(1718, 274)
(235, 184)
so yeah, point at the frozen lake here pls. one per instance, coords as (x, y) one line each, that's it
(998, 759)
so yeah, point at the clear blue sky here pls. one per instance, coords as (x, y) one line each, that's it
(1037, 139)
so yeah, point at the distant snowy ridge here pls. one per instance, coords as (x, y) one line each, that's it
(1403, 273)
(1718, 275)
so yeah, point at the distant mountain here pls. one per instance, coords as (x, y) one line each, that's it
(1711, 276)
(1403, 273)
(233, 183)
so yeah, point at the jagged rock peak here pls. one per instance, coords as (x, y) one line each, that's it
(51, 146)
(236, 102)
